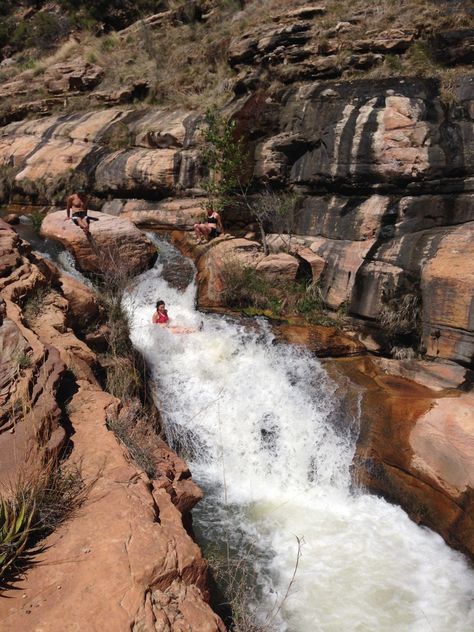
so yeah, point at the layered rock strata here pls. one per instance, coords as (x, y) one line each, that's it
(383, 170)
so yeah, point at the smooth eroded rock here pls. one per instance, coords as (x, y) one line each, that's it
(114, 243)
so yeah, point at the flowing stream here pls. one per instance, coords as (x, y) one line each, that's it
(270, 437)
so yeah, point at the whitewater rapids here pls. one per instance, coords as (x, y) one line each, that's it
(268, 437)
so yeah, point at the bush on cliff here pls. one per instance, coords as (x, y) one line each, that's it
(400, 316)
(225, 159)
(246, 288)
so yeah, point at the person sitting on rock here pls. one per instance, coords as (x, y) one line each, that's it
(77, 203)
(209, 229)
(160, 317)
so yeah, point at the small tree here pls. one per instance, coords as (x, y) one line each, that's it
(277, 209)
(225, 157)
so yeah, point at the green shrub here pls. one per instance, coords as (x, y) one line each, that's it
(245, 287)
(16, 516)
(42, 31)
(22, 361)
(225, 158)
(117, 136)
(34, 301)
(36, 219)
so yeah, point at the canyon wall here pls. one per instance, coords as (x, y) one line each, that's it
(383, 170)
(126, 559)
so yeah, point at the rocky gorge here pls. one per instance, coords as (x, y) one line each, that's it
(381, 170)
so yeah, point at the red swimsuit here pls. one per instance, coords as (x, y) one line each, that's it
(162, 318)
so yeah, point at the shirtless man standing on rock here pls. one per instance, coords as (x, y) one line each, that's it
(77, 203)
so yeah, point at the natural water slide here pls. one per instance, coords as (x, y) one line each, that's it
(270, 438)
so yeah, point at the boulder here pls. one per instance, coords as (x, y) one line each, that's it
(212, 261)
(314, 261)
(219, 256)
(76, 75)
(278, 267)
(114, 243)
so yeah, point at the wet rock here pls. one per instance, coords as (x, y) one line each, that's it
(416, 448)
(321, 340)
(11, 219)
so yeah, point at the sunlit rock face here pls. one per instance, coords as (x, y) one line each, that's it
(384, 170)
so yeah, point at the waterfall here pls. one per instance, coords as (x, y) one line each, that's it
(265, 434)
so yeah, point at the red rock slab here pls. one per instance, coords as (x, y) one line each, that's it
(322, 341)
(123, 562)
(443, 444)
(416, 448)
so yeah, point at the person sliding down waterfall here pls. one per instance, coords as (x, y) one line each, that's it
(209, 229)
(160, 317)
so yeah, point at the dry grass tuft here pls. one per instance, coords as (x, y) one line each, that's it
(44, 496)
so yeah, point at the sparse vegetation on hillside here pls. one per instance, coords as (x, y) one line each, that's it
(183, 57)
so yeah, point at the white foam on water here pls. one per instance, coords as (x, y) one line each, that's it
(256, 423)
